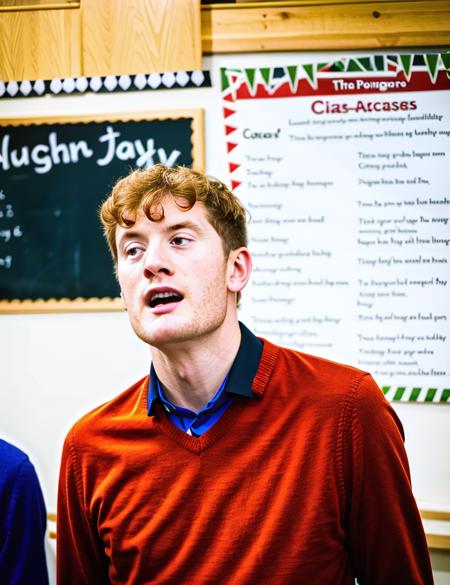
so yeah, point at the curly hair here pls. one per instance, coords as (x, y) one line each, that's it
(144, 190)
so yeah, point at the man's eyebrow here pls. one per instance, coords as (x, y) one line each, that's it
(182, 225)
(129, 234)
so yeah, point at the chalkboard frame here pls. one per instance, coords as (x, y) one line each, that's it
(63, 305)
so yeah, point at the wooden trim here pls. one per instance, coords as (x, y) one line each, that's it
(60, 306)
(435, 514)
(57, 6)
(436, 539)
(440, 541)
(325, 25)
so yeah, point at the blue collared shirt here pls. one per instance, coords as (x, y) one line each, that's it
(238, 381)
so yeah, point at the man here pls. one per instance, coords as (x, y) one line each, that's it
(23, 520)
(235, 461)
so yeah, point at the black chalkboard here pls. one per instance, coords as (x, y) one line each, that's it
(53, 177)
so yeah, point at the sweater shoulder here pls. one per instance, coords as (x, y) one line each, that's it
(317, 376)
(130, 401)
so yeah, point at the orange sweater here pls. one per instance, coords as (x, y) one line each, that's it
(306, 484)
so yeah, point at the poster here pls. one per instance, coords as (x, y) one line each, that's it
(343, 166)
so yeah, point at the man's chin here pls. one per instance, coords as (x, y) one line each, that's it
(160, 336)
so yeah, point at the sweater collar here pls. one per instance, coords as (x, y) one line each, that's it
(240, 377)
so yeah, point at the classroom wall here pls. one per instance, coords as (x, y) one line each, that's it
(55, 367)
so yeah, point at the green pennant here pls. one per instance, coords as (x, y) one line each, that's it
(445, 58)
(365, 63)
(321, 66)
(431, 61)
(354, 65)
(407, 61)
(380, 63)
(224, 80)
(292, 72)
(310, 72)
(251, 74)
(225, 74)
(266, 73)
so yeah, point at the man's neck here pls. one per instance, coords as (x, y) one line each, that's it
(192, 373)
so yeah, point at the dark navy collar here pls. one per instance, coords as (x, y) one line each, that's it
(240, 377)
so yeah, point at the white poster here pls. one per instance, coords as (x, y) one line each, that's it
(344, 168)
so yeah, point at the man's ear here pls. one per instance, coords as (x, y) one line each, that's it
(124, 305)
(239, 268)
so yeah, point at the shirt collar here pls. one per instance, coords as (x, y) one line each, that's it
(240, 376)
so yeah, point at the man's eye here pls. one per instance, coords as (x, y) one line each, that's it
(133, 251)
(179, 241)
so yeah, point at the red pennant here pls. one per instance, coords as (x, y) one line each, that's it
(233, 167)
(230, 146)
(229, 129)
(235, 184)
(227, 112)
(229, 97)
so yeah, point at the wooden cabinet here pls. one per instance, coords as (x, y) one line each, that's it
(40, 44)
(97, 37)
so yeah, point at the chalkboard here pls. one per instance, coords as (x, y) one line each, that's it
(54, 174)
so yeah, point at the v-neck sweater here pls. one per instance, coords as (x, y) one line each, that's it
(307, 484)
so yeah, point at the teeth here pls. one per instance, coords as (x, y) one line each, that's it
(164, 298)
(163, 295)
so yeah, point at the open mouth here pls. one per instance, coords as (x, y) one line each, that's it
(164, 298)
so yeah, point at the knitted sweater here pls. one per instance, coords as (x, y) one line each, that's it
(306, 484)
(23, 520)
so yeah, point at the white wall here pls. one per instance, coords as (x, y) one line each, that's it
(56, 367)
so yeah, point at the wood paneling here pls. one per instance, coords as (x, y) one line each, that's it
(37, 4)
(324, 25)
(140, 36)
(40, 44)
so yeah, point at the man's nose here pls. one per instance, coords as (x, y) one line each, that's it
(157, 260)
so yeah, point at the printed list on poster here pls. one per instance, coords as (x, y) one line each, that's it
(350, 205)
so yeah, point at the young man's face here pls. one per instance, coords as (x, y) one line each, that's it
(174, 276)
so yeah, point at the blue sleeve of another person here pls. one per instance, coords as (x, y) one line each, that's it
(23, 520)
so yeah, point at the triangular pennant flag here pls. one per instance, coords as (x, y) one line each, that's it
(233, 167)
(354, 65)
(229, 97)
(250, 74)
(229, 129)
(230, 146)
(309, 70)
(235, 184)
(265, 72)
(324, 66)
(227, 112)
(338, 66)
(380, 64)
(292, 72)
(224, 81)
(407, 61)
(431, 61)
(445, 58)
(228, 77)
